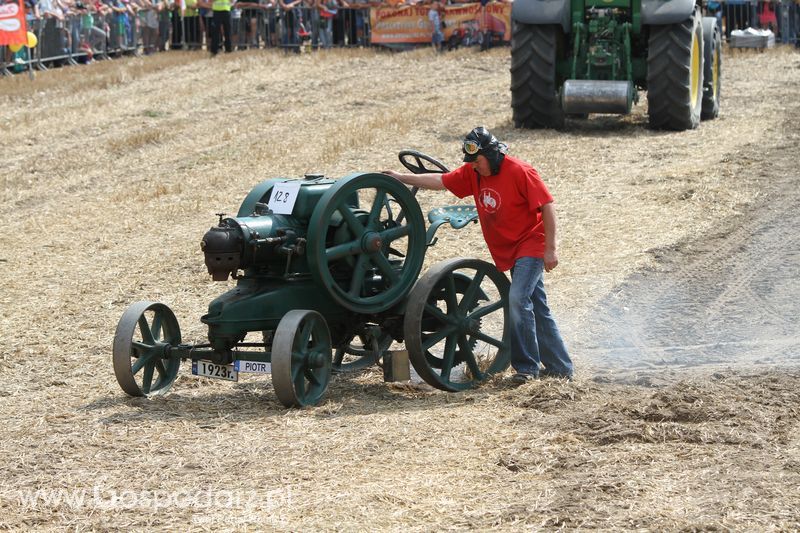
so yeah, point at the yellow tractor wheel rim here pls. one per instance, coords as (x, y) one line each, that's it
(695, 81)
(715, 73)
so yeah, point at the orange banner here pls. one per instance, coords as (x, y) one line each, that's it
(400, 25)
(12, 23)
(494, 17)
(410, 24)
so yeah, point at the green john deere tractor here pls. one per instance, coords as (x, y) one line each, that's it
(570, 58)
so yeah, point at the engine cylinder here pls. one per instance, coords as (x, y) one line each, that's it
(222, 247)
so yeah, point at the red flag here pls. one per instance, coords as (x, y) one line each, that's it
(12, 23)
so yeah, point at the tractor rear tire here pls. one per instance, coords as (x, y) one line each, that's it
(675, 74)
(712, 68)
(534, 85)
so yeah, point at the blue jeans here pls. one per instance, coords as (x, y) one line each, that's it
(535, 339)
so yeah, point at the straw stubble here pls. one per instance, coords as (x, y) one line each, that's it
(113, 172)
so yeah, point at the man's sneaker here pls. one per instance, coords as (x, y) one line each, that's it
(521, 378)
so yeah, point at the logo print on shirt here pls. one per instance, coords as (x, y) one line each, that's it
(490, 200)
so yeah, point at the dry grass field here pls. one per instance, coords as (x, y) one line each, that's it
(111, 174)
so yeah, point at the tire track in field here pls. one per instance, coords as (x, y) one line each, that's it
(732, 298)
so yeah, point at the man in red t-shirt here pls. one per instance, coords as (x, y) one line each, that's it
(518, 221)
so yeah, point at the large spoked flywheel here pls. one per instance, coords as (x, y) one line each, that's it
(361, 252)
(142, 362)
(455, 324)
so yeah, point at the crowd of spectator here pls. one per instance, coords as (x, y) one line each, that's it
(79, 30)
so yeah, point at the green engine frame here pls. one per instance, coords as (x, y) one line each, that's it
(326, 282)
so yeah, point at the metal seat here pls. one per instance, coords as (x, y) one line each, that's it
(457, 215)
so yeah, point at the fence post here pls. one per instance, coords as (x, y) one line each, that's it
(3, 66)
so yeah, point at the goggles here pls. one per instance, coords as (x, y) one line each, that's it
(471, 147)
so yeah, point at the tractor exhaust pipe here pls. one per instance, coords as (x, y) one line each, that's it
(597, 96)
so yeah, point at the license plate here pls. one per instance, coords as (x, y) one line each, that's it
(213, 370)
(252, 367)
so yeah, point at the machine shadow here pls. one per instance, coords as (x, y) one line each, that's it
(256, 400)
(622, 126)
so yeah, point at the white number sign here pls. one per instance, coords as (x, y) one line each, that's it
(284, 195)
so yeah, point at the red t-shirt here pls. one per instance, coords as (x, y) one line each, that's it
(509, 208)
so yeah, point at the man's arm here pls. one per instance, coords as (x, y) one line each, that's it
(432, 180)
(550, 230)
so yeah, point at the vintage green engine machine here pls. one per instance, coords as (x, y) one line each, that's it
(570, 58)
(327, 278)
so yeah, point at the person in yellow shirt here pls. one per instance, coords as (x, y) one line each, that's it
(220, 23)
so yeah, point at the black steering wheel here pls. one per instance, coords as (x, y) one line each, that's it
(418, 166)
(421, 159)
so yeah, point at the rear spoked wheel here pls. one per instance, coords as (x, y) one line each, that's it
(455, 324)
(301, 358)
(142, 342)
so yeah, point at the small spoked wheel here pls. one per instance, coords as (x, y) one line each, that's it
(455, 324)
(144, 336)
(361, 351)
(301, 358)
